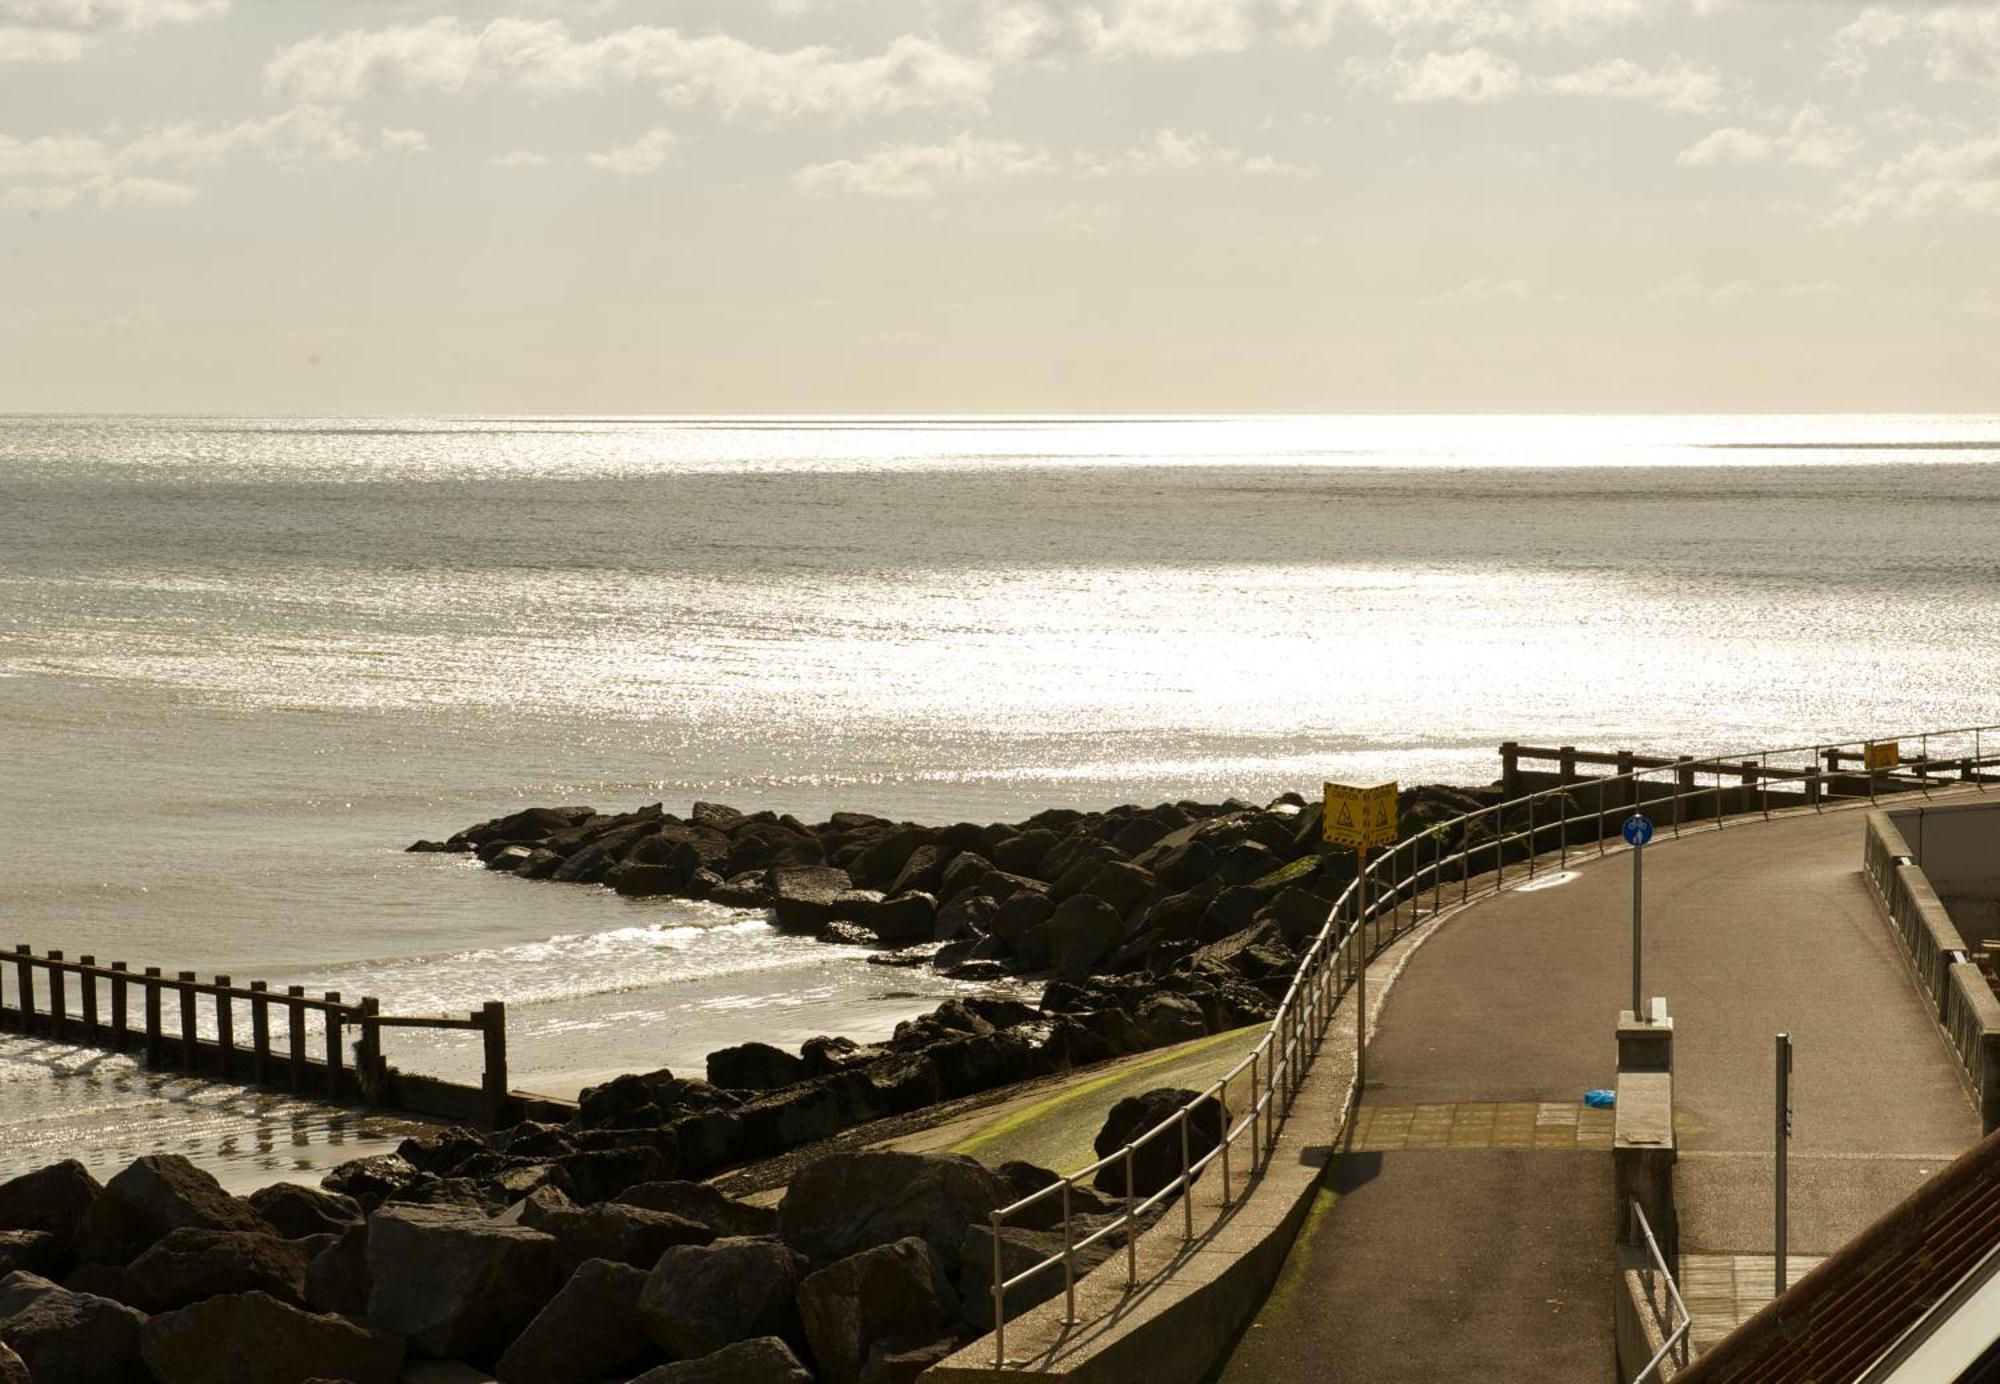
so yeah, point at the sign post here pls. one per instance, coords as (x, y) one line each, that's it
(1638, 831)
(1784, 1139)
(1361, 818)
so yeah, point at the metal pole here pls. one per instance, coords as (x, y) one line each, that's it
(1784, 1135)
(1638, 900)
(1361, 973)
(1000, 1292)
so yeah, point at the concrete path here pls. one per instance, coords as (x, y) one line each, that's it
(1495, 1248)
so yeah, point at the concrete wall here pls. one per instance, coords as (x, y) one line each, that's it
(1958, 849)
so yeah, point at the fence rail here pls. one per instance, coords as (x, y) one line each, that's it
(1575, 816)
(309, 1055)
(1674, 1349)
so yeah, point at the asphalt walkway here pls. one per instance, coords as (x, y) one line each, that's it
(1468, 1231)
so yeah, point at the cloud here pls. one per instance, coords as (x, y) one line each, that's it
(642, 155)
(1677, 86)
(1692, 288)
(1808, 141)
(449, 55)
(1485, 289)
(105, 191)
(62, 31)
(404, 141)
(520, 158)
(916, 170)
(1929, 180)
(1956, 43)
(1171, 151)
(40, 45)
(1473, 76)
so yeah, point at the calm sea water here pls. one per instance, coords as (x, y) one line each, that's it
(243, 662)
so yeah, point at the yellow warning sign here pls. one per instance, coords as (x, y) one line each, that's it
(1886, 756)
(1359, 817)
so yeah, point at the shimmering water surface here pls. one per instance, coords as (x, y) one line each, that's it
(243, 662)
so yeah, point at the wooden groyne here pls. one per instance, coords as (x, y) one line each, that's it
(156, 1017)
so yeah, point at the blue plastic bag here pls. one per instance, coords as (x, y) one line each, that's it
(1600, 1100)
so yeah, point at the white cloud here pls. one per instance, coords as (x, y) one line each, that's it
(642, 155)
(1472, 76)
(40, 45)
(404, 141)
(449, 55)
(61, 31)
(1676, 86)
(1930, 179)
(1486, 289)
(520, 158)
(1692, 288)
(916, 170)
(105, 191)
(1171, 151)
(1808, 141)
(1956, 43)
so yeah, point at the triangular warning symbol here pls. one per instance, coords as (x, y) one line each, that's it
(1346, 818)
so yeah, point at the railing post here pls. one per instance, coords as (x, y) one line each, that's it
(260, 1033)
(1566, 763)
(370, 1059)
(24, 982)
(336, 1045)
(118, 1002)
(1510, 769)
(1764, 781)
(1131, 1226)
(1069, 1261)
(155, 1041)
(86, 984)
(1627, 770)
(1531, 838)
(999, 1294)
(493, 1019)
(225, 1028)
(1187, 1184)
(184, 987)
(1562, 816)
(295, 1021)
(58, 998)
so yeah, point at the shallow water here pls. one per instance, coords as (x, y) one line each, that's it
(243, 663)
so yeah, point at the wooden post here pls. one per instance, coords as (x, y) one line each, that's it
(1566, 763)
(153, 1040)
(335, 1045)
(225, 1028)
(1361, 971)
(492, 1019)
(58, 998)
(118, 1036)
(1627, 765)
(260, 1033)
(184, 985)
(24, 958)
(1510, 769)
(295, 1017)
(87, 985)
(369, 1063)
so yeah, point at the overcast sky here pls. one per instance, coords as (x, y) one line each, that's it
(355, 206)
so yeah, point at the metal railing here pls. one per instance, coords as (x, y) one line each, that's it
(1573, 819)
(1675, 1346)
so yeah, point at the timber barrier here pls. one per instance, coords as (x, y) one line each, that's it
(158, 1018)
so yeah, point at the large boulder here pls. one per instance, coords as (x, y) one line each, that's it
(337, 1279)
(700, 1298)
(297, 1212)
(754, 1067)
(153, 1195)
(848, 1202)
(697, 1201)
(252, 1338)
(764, 1360)
(608, 1230)
(54, 1199)
(802, 896)
(904, 918)
(1082, 931)
(589, 1331)
(189, 1264)
(371, 1181)
(1021, 1249)
(69, 1338)
(453, 1283)
(893, 1290)
(1157, 1162)
(34, 1250)
(13, 1369)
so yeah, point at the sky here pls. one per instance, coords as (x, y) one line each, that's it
(998, 206)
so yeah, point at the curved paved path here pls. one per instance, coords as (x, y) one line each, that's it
(1469, 1224)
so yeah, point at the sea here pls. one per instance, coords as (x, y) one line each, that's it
(245, 661)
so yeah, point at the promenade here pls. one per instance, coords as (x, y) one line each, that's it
(1467, 1223)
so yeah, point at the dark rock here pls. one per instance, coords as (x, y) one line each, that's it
(155, 1194)
(700, 1298)
(802, 896)
(612, 1231)
(846, 934)
(1081, 932)
(442, 1151)
(699, 1202)
(531, 1139)
(830, 1053)
(1122, 885)
(1165, 1019)
(1299, 914)
(509, 858)
(589, 1331)
(454, 1284)
(907, 917)
(601, 1174)
(847, 1202)
(633, 880)
(296, 1212)
(797, 1115)
(754, 1067)
(36, 1251)
(852, 905)
(337, 1279)
(966, 870)
(968, 913)
(924, 871)
(69, 1338)
(370, 1181)
(1073, 859)
(1157, 1162)
(1023, 854)
(764, 1360)
(898, 1289)
(742, 891)
(252, 1338)
(1022, 912)
(54, 1199)
(188, 1264)
(904, 1359)
(979, 971)
(1020, 1250)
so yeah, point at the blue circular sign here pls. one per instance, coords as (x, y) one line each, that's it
(1638, 829)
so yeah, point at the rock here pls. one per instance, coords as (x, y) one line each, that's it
(13, 1370)
(601, 1174)
(904, 1359)
(904, 919)
(296, 1212)
(798, 1115)
(802, 896)
(700, 1298)
(1023, 854)
(69, 1338)
(1020, 1250)
(1081, 932)
(754, 1067)
(610, 1230)
(699, 1202)
(33, 1250)
(969, 913)
(848, 935)
(897, 1289)
(252, 1338)
(1158, 1162)
(370, 1181)
(54, 1199)
(1122, 885)
(848, 1202)
(965, 871)
(827, 1053)
(155, 1194)
(764, 1360)
(454, 1284)
(1299, 913)
(924, 870)
(188, 1264)
(633, 880)
(337, 1279)
(589, 1331)
(1168, 1018)
(1021, 913)
(746, 890)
